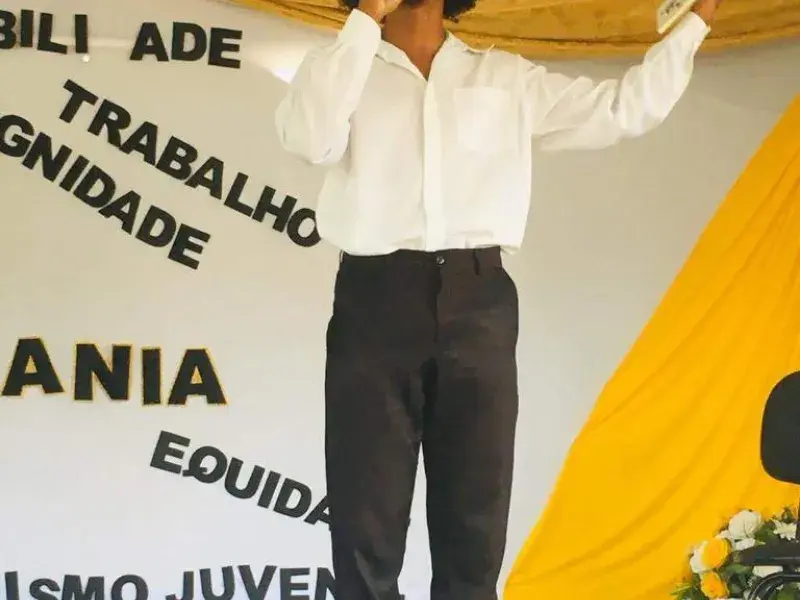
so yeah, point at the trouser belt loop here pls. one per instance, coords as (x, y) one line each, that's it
(487, 259)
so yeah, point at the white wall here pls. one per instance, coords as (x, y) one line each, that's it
(607, 233)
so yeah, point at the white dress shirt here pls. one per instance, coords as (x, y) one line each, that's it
(446, 162)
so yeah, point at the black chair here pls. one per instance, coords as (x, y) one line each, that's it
(780, 456)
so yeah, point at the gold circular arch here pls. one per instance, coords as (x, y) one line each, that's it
(568, 29)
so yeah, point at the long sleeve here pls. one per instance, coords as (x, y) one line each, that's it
(313, 119)
(578, 113)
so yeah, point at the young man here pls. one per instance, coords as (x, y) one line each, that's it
(428, 144)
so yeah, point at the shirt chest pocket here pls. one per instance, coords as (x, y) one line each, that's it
(486, 120)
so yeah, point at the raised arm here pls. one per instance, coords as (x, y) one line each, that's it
(579, 113)
(313, 119)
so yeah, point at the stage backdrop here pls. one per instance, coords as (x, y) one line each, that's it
(154, 236)
(164, 299)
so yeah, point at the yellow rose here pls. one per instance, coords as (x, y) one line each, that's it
(716, 553)
(712, 585)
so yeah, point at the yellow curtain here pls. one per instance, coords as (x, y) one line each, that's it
(671, 450)
(560, 29)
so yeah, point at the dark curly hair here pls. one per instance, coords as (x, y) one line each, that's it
(452, 8)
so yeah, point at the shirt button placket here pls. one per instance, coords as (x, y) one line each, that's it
(432, 171)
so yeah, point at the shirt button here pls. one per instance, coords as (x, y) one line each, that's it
(440, 260)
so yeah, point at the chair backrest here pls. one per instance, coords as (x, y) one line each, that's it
(780, 431)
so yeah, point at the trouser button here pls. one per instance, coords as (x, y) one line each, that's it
(440, 260)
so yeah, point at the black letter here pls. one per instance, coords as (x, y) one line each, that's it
(52, 163)
(232, 200)
(270, 485)
(114, 379)
(197, 50)
(15, 145)
(151, 376)
(188, 587)
(38, 586)
(196, 469)
(144, 141)
(177, 151)
(12, 585)
(196, 360)
(228, 584)
(152, 219)
(31, 351)
(123, 208)
(209, 176)
(319, 513)
(94, 176)
(74, 172)
(232, 475)
(222, 41)
(325, 584)
(141, 587)
(8, 39)
(255, 592)
(163, 450)
(73, 588)
(149, 41)
(46, 43)
(185, 242)
(77, 96)
(289, 587)
(282, 212)
(303, 502)
(82, 34)
(26, 28)
(293, 230)
(114, 118)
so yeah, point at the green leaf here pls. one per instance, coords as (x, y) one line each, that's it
(767, 535)
(737, 569)
(699, 595)
(681, 590)
(786, 593)
(695, 594)
(689, 590)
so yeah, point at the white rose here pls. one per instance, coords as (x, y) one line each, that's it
(744, 524)
(762, 571)
(786, 531)
(744, 544)
(696, 561)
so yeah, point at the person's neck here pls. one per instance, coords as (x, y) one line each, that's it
(418, 31)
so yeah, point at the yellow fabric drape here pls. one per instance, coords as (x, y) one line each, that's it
(671, 450)
(559, 29)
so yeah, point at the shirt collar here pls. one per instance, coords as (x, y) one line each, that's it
(457, 42)
(392, 54)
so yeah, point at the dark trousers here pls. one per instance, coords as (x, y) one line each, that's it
(421, 352)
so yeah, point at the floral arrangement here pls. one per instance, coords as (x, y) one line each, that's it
(716, 575)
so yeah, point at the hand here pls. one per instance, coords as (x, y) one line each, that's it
(378, 9)
(707, 10)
